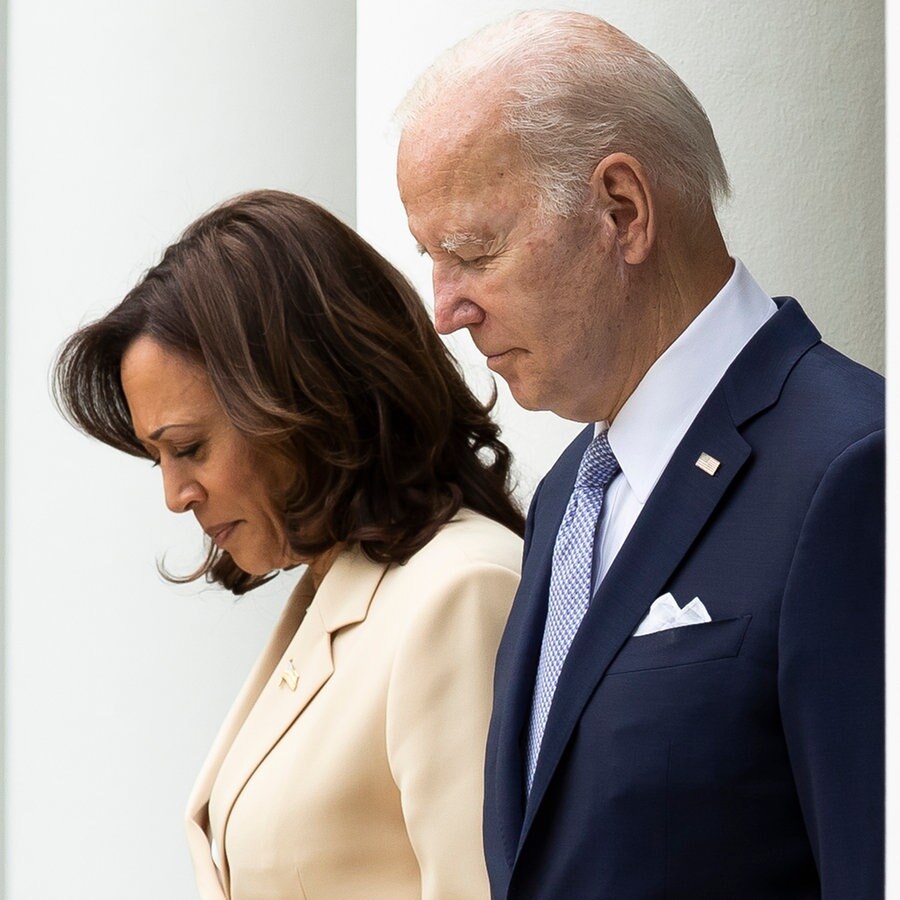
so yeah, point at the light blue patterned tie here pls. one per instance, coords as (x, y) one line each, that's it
(570, 582)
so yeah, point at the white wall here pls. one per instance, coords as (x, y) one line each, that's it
(126, 121)
(795, 93)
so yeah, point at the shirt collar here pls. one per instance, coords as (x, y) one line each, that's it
(662, 407)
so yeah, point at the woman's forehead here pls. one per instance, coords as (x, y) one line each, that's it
(162, 388)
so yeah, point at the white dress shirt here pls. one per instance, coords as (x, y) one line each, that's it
(657, 415)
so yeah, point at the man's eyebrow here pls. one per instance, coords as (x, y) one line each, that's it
(452, 242)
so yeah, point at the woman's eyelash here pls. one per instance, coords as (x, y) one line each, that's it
(188, 451)
(185, 453)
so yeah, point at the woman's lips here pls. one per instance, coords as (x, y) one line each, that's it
(219, 534)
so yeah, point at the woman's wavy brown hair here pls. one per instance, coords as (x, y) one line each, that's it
(321, 353)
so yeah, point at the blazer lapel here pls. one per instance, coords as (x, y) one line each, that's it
(198, 804)
(295, 677)
(678, 508)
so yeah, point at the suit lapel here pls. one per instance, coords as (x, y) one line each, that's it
(680, 505)
(343, 599)
(676, 511)
(523, 637)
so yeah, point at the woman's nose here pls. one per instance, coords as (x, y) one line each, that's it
(182, 494)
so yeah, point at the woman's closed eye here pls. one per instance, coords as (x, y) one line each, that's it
(187, 452)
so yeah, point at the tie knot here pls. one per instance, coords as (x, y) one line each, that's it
(598, 465)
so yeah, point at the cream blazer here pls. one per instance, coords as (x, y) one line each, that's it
(350, 767)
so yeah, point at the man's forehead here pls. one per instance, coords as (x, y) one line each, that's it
(461, 161)
(460, 175)
(460, 129)
(458, 205)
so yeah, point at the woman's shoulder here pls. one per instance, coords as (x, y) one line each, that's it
(467, 573)
(469, 540)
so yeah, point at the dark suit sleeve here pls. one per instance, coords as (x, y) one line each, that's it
(529, 521)
(831, 672)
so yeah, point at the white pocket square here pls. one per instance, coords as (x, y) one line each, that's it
(665, 613)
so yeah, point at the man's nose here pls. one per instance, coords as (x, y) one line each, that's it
(452, 308)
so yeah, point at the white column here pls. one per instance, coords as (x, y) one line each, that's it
(126, 121)
(3, 548)
(795, 94)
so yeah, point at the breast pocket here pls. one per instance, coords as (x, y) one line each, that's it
(683, 646)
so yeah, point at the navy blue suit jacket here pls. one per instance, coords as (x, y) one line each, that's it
(737, 759)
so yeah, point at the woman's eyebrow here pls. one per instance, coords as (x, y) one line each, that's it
(159, 431)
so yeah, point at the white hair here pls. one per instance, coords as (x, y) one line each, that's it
(573, 89)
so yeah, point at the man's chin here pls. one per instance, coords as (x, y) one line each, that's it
(534, 401)
(526, 399)
(530, 396)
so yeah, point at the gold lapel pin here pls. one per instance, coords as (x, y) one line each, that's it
(707, 463)
(290, 678)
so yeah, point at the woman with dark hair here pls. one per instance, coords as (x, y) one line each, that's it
(289, 384)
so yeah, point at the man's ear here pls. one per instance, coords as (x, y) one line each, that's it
(622, 196)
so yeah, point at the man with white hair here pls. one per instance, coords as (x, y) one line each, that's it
(688, 697)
